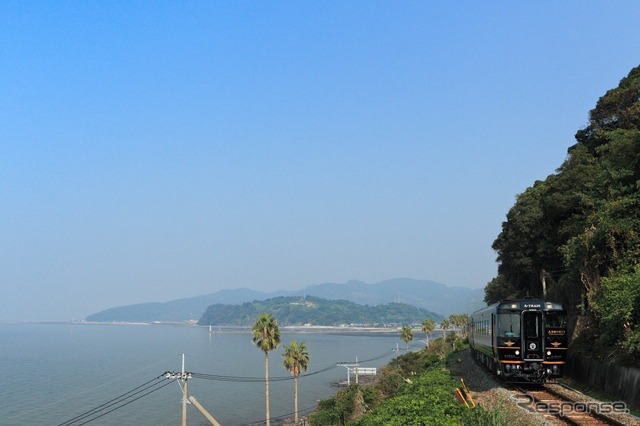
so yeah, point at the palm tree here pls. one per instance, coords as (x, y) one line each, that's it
(427, 327)
(266, 336)
(444, 325)
(296, 359)
(460, 321)
(406, 334)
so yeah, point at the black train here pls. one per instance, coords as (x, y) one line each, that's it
(522, 340)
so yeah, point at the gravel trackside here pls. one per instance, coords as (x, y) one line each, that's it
(489, 393)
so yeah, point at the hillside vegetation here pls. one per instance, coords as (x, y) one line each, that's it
(413, 389)
(579, 229)
(315, 311)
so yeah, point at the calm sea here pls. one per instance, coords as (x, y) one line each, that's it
(51, 373)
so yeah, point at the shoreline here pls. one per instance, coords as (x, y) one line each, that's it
(225, 328)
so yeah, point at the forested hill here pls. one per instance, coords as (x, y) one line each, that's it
(425, 294)
(579, 229)
(315, 311)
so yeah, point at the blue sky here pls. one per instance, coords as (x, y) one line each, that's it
(157, 150)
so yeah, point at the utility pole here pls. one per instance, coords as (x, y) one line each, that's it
(182, 377)
(203, 411)
(184, 395)
(350, 368)
(356, 370)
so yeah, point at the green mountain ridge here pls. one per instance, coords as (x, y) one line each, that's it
(315, 311)
(425, 294)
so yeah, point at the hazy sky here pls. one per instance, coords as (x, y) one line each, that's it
(157, 150)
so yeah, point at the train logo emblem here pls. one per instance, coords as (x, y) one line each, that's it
(509, 343)
(533, 346)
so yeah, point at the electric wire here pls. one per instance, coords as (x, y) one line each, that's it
(154, 385)
(247, 379)
(303, 412)
(377, 357)
(84, 391)
(127, 403)
(117, 400)
(113, 401)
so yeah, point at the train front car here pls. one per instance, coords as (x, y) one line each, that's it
(521, 340)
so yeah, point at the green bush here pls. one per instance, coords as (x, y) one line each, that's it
(427, 400)
(478, 416)
(617, 309)
(413, 389)
(339, 409)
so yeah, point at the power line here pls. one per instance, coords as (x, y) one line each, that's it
(155, 384)
(383, 355)
(23, 413)
(247, 379)
(127, 403)
(119, 399)
(304, 412)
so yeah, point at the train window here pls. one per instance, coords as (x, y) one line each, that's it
(531, 325)
(509, 324)
(555, 319)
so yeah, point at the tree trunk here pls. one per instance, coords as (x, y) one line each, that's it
(295, 400)
(266, 384)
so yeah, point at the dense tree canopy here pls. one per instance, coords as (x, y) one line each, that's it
(579, 229)
(316, 311)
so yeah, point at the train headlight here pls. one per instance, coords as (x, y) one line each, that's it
(548, 353)
(517, 352)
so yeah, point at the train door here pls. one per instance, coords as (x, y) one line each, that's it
(532, 335)
(496, 365)
(492, 336)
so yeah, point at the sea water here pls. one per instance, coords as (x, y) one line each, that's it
(51, 373)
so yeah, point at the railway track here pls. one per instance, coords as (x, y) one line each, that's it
(560, 409)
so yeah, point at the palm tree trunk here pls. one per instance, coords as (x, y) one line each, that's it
(295, 400)
(266, 376)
